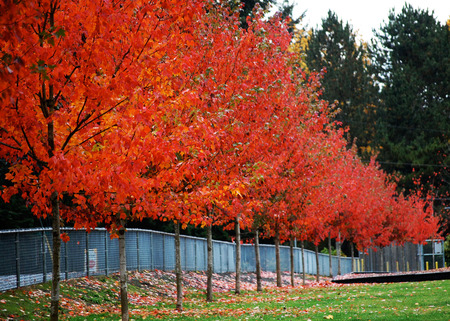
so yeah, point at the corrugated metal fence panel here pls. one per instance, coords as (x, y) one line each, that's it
(285, 264)
(267, 257)
(158, 251)
(131, 250)
(145, 251)
(248, 258)
(201, 256)
(169, 252)
(324, 264)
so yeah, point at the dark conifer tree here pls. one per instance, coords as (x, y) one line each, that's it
(346, 81)
(412, 62)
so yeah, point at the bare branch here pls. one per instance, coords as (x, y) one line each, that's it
(79, 114)
(14, 139)
(78, 126)
(83, 123)
(67, 80)
(121, 62)
(96, 134)
(10, 146)
(104, 113)
(32, 153)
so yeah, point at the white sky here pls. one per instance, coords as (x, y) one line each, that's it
(364, 15)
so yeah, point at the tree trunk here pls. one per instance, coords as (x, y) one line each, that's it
(56, 232)
(47, 104)
(338, 250)
(209, 271)
(277, 257)
(330, 262)
(123, 273)
(178, 275)
(291, 255)
(303, 263)
(317, 263)
(238, 256)
(353, 257)
(258, 262)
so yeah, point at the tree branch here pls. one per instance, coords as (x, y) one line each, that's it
(78, 126)
(32, 152)
(67, 80)
(96, 134)
(10, 146)
(104, 113)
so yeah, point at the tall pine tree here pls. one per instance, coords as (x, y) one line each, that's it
(347, 81)
(413, 126)
(247, 6)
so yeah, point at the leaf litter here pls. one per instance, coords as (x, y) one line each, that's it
(152, 293)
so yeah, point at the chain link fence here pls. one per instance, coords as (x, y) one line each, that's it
(405, 258)
(27, 255)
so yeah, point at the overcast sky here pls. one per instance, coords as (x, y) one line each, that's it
(364, 15)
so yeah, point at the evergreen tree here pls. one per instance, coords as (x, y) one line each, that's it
(287, 11)
(247, 7)
(14, 214)
(285, 8)
(413, 126)
(347, 81)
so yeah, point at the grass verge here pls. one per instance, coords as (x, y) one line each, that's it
(97, 298)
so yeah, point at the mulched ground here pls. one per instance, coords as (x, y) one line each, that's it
(223, 282)
(159, 286)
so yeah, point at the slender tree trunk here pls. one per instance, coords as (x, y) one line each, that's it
(338, 250)
(47, 104)
(277, 256)
(56, 231)
(316, 247)
(353, 256)
(303, 263)
(364, 261)
(178, 275)
(209, 270)
(330, 262)
(258, 262)
(238, 256)
(291, 255)
(123, 273)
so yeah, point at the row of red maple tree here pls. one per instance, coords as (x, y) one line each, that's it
(120, 110)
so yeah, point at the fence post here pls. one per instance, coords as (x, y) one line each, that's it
(87, 254)
(205, 254)
(17, 260)
(66, 260)
(185, 254)
(152, 266)
(164, 252)
(44, 261)
(195, 255)
(137, 252)
(106, 253)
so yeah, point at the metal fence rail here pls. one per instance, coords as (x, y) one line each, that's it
(27, 255)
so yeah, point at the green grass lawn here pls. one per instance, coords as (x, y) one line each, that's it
(97, 299)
